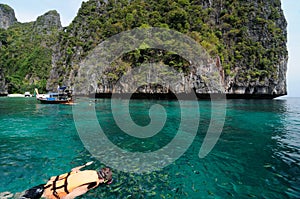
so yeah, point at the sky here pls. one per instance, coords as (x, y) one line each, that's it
(29, 10)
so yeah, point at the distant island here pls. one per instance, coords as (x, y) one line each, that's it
(246, 40)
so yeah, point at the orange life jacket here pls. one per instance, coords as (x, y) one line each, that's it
(59, 186)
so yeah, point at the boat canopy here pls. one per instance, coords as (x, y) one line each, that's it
(62, 88)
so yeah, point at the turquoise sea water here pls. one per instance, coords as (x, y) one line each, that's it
(256, 156)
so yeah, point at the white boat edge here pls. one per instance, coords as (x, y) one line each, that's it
(26, 94)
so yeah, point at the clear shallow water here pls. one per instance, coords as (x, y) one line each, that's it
(257, 155)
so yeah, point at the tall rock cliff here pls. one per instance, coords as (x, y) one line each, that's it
(260, 66)
(246, 40)
(26, 53)
(7, 16)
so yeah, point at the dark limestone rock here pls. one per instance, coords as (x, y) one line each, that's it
(48, 22)
(3, 86)
(39, 38)
(7, 16)
(260, 36)
(258, 29)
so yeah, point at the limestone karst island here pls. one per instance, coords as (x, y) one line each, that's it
(246, 41)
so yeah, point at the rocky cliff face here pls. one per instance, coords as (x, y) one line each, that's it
(247, 41)
(48, 22)
(3, 87)
(266, 29)
(7, 16)
(26, 53)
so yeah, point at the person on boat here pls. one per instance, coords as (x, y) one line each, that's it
(70, 185)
